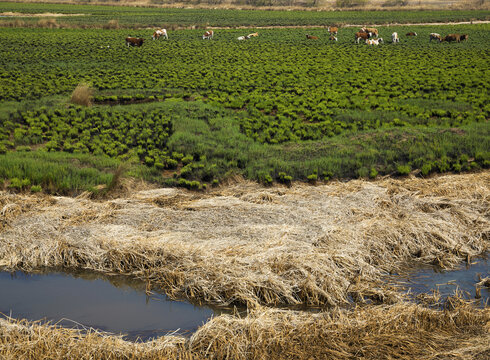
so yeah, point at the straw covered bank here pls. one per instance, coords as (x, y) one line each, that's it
(273, 249)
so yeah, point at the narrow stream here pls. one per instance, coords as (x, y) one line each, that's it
(112, 303)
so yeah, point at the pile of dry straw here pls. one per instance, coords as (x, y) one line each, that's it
(317, 246)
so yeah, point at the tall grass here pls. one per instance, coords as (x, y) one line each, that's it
(58, 172)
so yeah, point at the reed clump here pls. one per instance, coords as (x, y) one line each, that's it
(82, 95)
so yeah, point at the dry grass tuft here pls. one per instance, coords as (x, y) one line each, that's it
(82, 95)
(48, 23)
(112, 24)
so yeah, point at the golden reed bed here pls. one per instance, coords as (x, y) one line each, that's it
(316, 246)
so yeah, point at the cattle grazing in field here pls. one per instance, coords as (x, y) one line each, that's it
(132, 41)
(311, 37)
(395, 38)
(361, 35)
(435, 36)
(332, 38)
(411, 33)
(463, 37)
(371, 31)
(255, 34)
(452, 37)
(333, 30)
(374, 41)
(160, 33)
(208, 35)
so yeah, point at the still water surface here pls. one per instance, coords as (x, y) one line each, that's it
(113, 304)
(463, 279)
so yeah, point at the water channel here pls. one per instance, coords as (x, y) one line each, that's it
(114, 304)
(119, 304)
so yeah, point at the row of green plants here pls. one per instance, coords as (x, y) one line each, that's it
(142, 17)
(290, 88)
(275, 108)
(99, 131)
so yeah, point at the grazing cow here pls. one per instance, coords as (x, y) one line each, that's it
(463, 37)
(361, 35)
(374, 41)
(452, 37)
(208, 35)
(371, 31)
(333, 38)
(411, 33)
(160, 32)
(311, 37)
(395, 38)
(242, 38)
(333, 30)
(132, 41)
(435, 36)
(252, 35)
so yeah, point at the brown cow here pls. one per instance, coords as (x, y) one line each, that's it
(333, 30)
(132, 41)
(255, 34)
(361, 35)
(311, 37)
(452, 37)
(371, 31)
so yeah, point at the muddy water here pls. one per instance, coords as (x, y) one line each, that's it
(113, 304)
(462, 280)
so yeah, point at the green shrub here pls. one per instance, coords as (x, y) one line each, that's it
(373, 173)
(426, 169)
(36, 188)
(403, 170)
(312, 178)
(23, 148)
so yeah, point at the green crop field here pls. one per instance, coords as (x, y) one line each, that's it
(278, 107)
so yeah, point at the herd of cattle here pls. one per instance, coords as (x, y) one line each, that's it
(366, 34)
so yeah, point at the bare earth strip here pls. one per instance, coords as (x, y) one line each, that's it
(273, 246)
(16, 14)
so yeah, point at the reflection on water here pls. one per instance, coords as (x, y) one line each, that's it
(463, 280)
(113, 303)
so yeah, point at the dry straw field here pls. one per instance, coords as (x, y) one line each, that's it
(328, 246)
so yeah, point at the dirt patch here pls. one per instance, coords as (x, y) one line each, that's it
(16, 14)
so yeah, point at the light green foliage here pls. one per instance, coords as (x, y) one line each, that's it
(274, 108)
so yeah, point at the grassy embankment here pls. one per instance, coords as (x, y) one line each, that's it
(273, 109)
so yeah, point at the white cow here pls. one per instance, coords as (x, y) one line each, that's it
(158, 33)
(435, 36)
(395, 38)
(242, 38)
(208, 35)
(374, 41)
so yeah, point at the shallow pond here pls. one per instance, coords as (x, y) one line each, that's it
(112, 303)
(462, 279)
